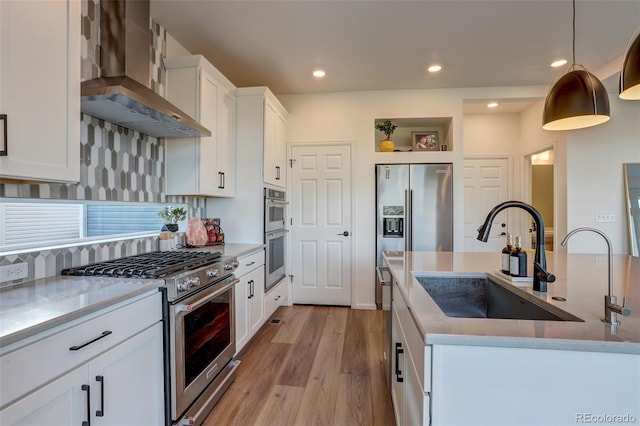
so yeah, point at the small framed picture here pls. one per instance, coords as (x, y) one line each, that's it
(425, 141)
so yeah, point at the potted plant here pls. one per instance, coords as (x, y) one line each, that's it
(387, 127)
(171, 216)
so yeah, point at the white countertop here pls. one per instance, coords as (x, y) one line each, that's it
(581, 280)
(36, 306)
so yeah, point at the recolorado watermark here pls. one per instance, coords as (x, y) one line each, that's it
(605, 418)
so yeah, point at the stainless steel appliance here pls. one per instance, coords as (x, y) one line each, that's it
(275, 252)
(200, 324)
(275, 205)
(414, 204)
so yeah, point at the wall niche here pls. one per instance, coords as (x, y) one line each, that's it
(417, 134)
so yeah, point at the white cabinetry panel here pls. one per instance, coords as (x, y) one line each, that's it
(201, 165)
(40, 90)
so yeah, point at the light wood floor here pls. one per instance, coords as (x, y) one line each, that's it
(319, 366)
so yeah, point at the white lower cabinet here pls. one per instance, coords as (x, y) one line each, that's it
(277, 296)
(249, 297)
(122, 385)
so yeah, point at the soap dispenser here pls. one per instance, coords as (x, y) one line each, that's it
(506, 255)
(518, 260)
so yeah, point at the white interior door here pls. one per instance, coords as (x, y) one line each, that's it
(321, 240)
(486, 184)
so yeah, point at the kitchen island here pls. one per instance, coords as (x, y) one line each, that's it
(507, 371)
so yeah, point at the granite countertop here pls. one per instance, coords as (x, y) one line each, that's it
(581, 280)
(37, 306)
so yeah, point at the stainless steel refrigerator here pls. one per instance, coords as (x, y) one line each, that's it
(414, 204)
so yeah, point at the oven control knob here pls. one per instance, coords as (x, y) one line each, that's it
(228, 266)
(211, 273)
(194, 282)
(236, 263)
(183, 285)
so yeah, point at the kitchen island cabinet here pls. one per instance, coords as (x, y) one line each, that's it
(201, 165)
(40, 91)
(106, 367)
(502, 371)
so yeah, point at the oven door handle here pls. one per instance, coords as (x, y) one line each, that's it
(277, 202)
(277, 233)
(204, 299)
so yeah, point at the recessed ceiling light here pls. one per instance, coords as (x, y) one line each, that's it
(558, 63)
(492, 104)
(319, 73)
(434, 68)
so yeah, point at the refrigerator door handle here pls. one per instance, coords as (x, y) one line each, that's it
(407, 221)
(411, 220)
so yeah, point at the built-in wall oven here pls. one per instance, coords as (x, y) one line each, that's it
(275, 236)
(275, 206)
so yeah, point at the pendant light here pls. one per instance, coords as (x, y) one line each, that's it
(630, 72)
(578, 99)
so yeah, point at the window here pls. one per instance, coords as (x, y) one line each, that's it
(26, 223)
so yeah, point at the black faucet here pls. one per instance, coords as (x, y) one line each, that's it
(540, 274)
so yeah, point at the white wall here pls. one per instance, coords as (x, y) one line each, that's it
(595, 180)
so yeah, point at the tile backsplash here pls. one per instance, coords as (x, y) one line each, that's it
(116, 164)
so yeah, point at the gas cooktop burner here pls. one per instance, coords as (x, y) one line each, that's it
(156, 264)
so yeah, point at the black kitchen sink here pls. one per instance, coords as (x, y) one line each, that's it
(479, 297)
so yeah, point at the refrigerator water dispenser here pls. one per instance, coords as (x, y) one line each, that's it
(393, 227)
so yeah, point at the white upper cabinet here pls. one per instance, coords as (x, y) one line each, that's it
(40, 90)
(201, 165)
(260, 111)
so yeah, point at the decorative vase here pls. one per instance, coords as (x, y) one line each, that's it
(387, 145)
(173, 227)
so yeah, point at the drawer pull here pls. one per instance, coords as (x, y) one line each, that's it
(249, 264)
(278, 298)
(78, 347)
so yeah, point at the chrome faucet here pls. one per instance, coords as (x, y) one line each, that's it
(611, 308)
(540, 274)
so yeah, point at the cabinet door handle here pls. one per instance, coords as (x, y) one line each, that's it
(4, 142)
(250, 295)
(103, 335)
(87, 389)
(100, 412)
(277, 172)
(399, 351)
(253, 288)
(221, 180)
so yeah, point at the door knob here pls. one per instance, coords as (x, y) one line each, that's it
(345, 234)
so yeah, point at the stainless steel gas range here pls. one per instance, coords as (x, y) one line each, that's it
(200, 324)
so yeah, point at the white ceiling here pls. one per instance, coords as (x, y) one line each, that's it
(374, 45)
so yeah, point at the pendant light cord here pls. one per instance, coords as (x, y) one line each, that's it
(574, 32)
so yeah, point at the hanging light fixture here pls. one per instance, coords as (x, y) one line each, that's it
(630, 72)
(578, 99)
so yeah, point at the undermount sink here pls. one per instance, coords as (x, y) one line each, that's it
(479, 297)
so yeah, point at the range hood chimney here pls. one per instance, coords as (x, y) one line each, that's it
(122, 95)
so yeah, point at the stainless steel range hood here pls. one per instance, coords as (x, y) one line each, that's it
(121, 95)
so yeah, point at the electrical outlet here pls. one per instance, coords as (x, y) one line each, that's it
(14, 272)
(605, 218)
(602, 260)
